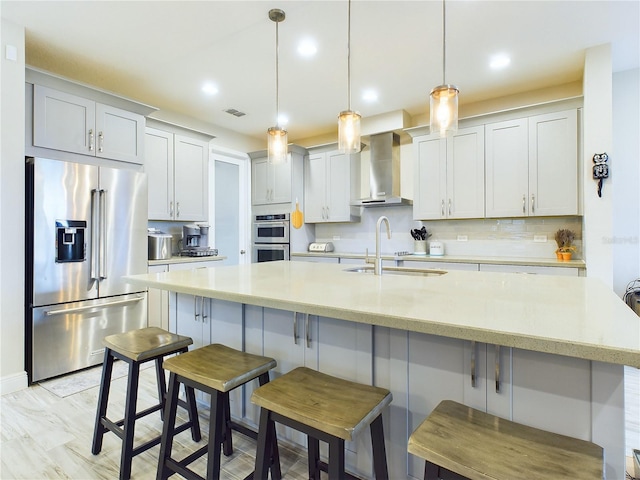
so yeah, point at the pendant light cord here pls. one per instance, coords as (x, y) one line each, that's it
(444, 42)
(349, 54)
(277, 79)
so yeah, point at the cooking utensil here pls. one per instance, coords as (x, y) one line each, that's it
(297, 218)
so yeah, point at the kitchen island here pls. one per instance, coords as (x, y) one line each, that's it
(541, 350)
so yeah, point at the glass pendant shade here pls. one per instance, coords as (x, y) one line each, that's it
(277, 145)
(349, 132)
(443, 109)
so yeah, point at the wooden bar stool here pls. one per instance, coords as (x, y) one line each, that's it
(214, 369)
(135, 348)
(480, 446)
(324, 408)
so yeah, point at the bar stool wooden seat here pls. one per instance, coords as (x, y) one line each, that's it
(214, 369)
(136, 347)
(477, 445)
(324, 408)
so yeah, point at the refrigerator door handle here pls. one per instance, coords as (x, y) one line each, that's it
(103, 235)
(95, 209)
(64, 311)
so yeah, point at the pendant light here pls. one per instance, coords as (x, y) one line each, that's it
(348, 120)
(277, 136)
(443, 104)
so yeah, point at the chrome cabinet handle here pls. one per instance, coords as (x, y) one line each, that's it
(100, 141)
(195, 308)
(524, 204)
(177, 209)
(202, 311)
(306, 327)
(497, 366)
(533, 202)
(449, 207)
(171, 209)
(473, 364)
(295, 328)
(91, 140)
(328, 213)
(442, 208)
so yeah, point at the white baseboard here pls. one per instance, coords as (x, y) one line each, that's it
(13, 383)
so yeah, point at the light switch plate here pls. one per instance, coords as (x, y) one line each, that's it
(462, 238)
(540, 238)
(12, 53)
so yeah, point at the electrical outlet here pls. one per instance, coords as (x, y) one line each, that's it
(540, 238)
(462, 238)
(336, 237)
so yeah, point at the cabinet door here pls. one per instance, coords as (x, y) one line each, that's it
(315, 188)
(260, 189)
(553, 164)
(120, 134)
(191, 178)
(281, 181)
(507, 160)
(62, 121)
(338, 187)
(158, 302)
(465, 174)
(429, 178)
(192, 319)
(159, 168)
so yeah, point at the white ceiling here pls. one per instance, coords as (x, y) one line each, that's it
(161, 52)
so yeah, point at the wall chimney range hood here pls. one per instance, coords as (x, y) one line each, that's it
(384, 179)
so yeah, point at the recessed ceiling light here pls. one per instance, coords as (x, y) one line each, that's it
(499, 61)
(307, 48)
(209, 89)
(369, 95)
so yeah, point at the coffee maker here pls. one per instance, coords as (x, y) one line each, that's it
(195, 240)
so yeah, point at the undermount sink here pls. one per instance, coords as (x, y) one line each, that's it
(399, 271)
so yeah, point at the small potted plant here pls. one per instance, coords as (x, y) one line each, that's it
(564, 239)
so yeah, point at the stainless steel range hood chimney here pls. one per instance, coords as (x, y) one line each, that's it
(384, 179)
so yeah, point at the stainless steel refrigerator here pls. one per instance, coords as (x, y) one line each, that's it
(86, 227)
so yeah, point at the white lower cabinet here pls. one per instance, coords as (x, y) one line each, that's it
(324, 344)
(158, 302)
(542, 390)
(535, 269)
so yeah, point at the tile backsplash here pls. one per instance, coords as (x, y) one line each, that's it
(500, 237)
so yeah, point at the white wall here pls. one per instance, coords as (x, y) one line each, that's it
(12, 370)
(625, 179)
(597, 138)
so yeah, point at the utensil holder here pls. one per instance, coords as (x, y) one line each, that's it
(420, 247)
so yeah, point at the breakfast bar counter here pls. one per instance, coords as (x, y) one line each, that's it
(578, 317)
(541, 350)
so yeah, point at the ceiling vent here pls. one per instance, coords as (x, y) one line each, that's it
(235, 113)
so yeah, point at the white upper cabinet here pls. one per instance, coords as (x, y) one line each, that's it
(177, 168)
(62, 121)
(553, 164)
(330, 184)
(270, 183)
(531, 166)
(449, 175)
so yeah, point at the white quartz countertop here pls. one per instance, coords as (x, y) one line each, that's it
(575, 316)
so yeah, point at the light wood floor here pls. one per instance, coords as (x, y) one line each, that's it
(45, 436)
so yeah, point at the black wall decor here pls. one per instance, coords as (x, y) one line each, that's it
(600, 169)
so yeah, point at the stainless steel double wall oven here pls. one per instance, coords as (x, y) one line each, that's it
(270, 237)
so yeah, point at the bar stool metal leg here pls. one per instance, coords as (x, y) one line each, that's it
(313, 447)
(167, 427)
